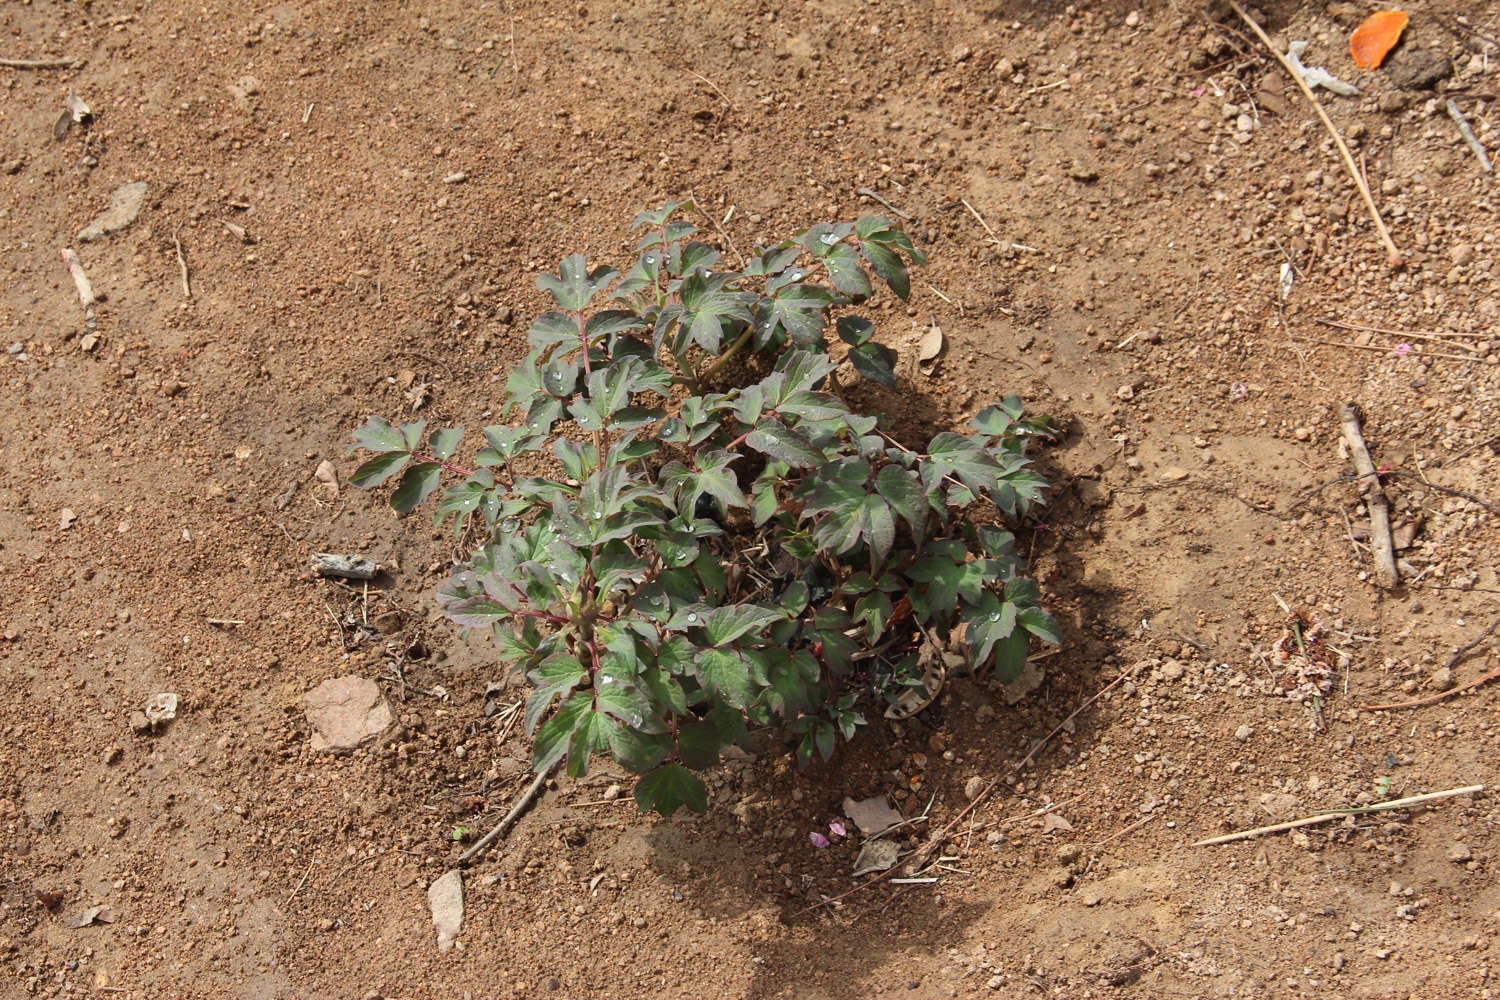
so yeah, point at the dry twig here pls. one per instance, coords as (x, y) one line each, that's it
(1393, 256)
(187, 289)
(39, 63)
(871, 194)
(1452, 692)
(1469, 136)
(1383, 350)
(1333, 814)
(1386, 573)
(522, 804)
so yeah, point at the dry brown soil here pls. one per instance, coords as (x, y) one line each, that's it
(159, 504)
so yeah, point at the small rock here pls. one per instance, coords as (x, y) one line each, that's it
(1244, 733)
(445, 897)
(1133, 19)
(1174, 474)
(124, 206)
(974, 787)
(346, 711)
(1442, 679)
(1419, 69)
(171, 387)
(1005, 69)
(1462, 254)
(1172, 670)
(1069, 853)
(611, 793)
(1090, 898)
(139, 724)
(1460, 854)
(962, 54)
(161, 709)
(1125, 392)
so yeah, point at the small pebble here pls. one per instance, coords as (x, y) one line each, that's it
(1244, 733)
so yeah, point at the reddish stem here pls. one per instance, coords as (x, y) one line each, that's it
(457, 470)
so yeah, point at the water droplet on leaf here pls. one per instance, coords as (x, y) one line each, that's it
(828, 239)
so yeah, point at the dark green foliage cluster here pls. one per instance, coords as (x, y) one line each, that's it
(712, 557)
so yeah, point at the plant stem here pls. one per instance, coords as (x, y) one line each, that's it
(687, 372)
(724, 358)
(456, 470)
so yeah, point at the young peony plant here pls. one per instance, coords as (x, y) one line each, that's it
(671, 562)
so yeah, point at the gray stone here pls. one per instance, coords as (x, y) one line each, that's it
(445, 897)
(125, 204)
(1419, 69)
(346, 711)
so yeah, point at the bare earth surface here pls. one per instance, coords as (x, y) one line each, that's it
(401, 176)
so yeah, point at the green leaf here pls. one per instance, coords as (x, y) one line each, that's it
(824, 736)
(665, 690)
(552, 328)
(726, 624)
(812, 406)
(889, 265)
(877, 526)
(942, 577)
(1010, 657)
(411, 434)
(698, 744)
(627, 703)
(855, 330)
(442, 442)
(657, 218)
(676, 656)
(378, 469)
(875, 362)
(669, 787)
(378, 435)
(1040, 624)
(770, 437)
(727, 674)
(845, 273)
(874, 609)
(595, 731)
(800, 310)
(553, 737)
(903, 491)
(988, 621)
(954, 454)
(415, 486)
(575, 285)
(478, 612)
(554, 677)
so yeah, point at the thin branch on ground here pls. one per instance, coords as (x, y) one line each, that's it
(1393, 257)
(39, 63)
(1333, 814)
(1453, 661)
(522, 804)
(1384, 550)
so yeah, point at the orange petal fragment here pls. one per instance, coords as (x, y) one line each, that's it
(1375, 38)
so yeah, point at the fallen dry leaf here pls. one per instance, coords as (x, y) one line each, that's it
(1379, 34)
(326, 474)
(1052, 821)
(929, 347)
(92, 915)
